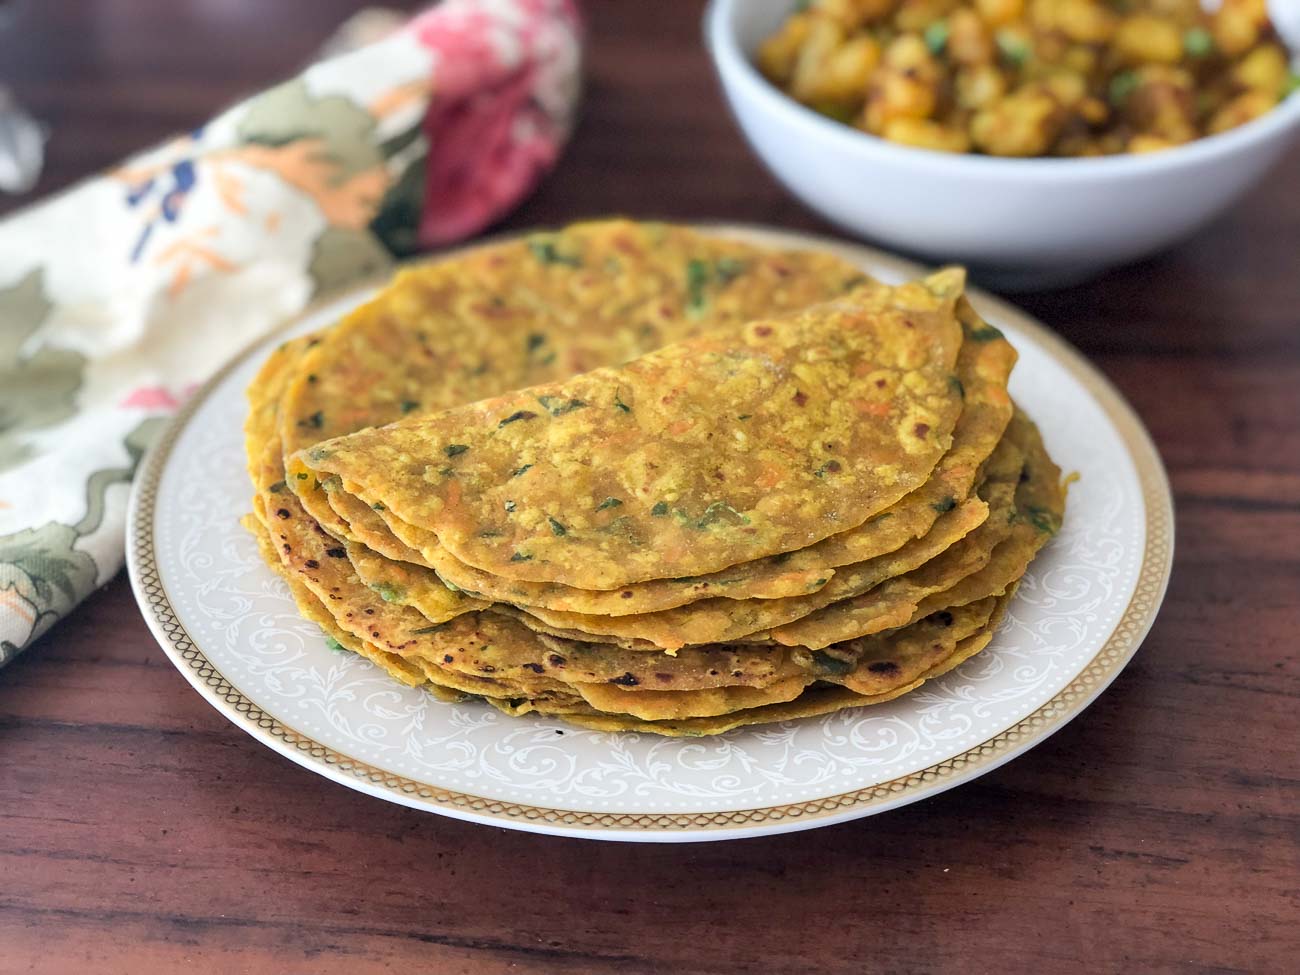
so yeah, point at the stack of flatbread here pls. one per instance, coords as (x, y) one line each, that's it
(650, 479)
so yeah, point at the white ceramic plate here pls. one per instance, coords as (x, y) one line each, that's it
(229, 625)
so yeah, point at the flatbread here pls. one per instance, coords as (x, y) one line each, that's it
(819, 699)
(983, 367)
(311, 608)
(389, 590)
(748, 441)
(962, 575)
(725, 620)
(532, 310)
(868, 667)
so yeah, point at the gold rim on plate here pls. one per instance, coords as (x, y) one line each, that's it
(1092, 679)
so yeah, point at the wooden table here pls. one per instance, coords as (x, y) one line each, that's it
(141, 832)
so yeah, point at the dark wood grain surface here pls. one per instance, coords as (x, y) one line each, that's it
(141, 832)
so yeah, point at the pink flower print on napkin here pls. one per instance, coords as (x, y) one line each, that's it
(491, 138)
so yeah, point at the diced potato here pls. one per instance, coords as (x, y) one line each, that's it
(1162, 103)
(843, 74)
(1093, 110)
(823, 39)
(1081, 59)
(777, 55)
(894, 95)
(1244, 108)
(1144, 39)
(908, 52)
(979, 86)
(917, 15)
(970, 41)
(996, 13)
(1183, 11)
(1067, 88)
(926, 134)
(1025, 123)
(1264, 68)
(1141, 143)
(1082, 21)
(855, 13)
(1237, 24)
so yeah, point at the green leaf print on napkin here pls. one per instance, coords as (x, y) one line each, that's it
(289, 113)
(325, 147)
(340, 256)
(136, 442)
(42, 577)
(36, 390)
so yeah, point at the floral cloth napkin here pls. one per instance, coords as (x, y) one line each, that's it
(121, 295)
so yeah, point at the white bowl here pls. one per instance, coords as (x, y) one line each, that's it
(1017, 222)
